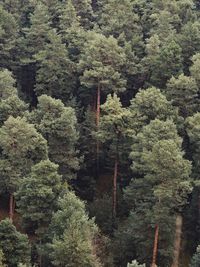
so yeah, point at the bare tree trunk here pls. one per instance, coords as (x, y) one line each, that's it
(155, 247)
(115, 187)
(177, 241)
(11, 210)
(97, 122)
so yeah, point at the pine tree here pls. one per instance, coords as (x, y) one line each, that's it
(194, 69)
(183, 92)
(85, 12)
(114, 129)
(36, 36)
(10, 104)
(161, 188)
(37, 195)
(118, 19)
(15, 246)
(100, 63)
(8, 36)
(71, 31)
(58, 125)
(7, 83)
(150, 104)
(55, 74)
(21, 146)
(72, 233)
(193, 130)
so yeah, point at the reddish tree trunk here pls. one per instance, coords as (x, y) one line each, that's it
(177, 241)
(115, 187)
(97, 122)
(11, 210)
(155, 247)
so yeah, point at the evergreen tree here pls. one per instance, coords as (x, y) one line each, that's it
(21, 146)
(37, 195)
(55, 74)
(183, 94)
(71, 31)
(37, 35)
(58, 125)
(113, 129)
(10, 104)
(72, 233)
(118, 19)
(8, 36)
(194, 69)
(85, 12)
(190, 42)
(7, 83)
(15, 246)
(150, 104)
(163, 168)
(101, 62)
(193, 130)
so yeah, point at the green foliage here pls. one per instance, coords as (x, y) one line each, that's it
(58, 125)
(194, 69)
(101, 63)
(193, 129)
(55, 72)
(10, 104)
(118, 19)
(36, 36)
(183, 94)
(7, 83)
(15, 246)
(196, 258)
(8, 35)
(37, 195)
(135, 264)
(150, 104)
(2, 259)
(21, 146)
(72, 233)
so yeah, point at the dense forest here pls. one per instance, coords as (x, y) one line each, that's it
(100, 133)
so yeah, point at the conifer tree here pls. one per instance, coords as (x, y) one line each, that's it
(10, 104)
(37, 195)
(183, 92)
(58, 125)
(71, 31)
(194, 69)
(37, 35)
(21, 146)
(150, 104)
(85, 12)
(72, 233)
(55, 74)
(101, 61)
(15, 246)
(8, 36)
(114, 129)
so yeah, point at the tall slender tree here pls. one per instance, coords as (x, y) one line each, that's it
(21, 146)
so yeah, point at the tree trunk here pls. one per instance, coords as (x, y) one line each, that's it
(11, 210)
(155, 247)
(177, 241)
(97, 122)
(115, 187)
